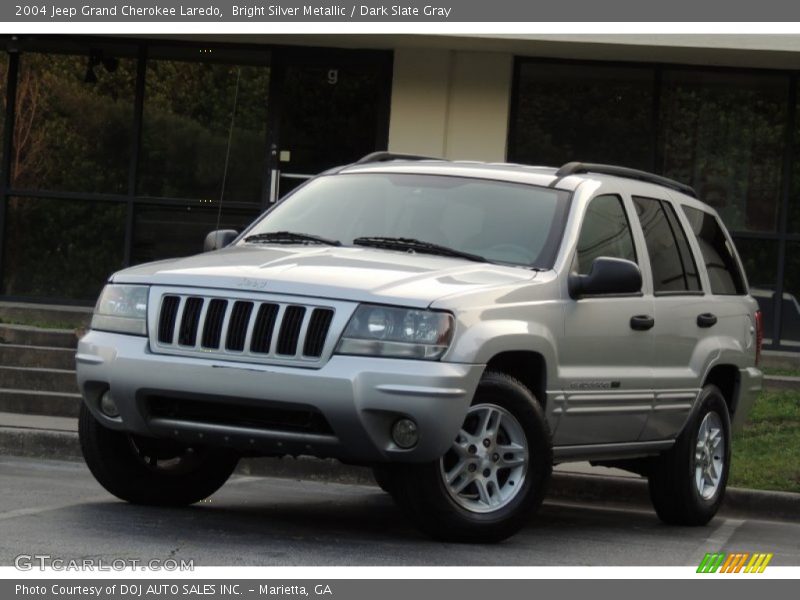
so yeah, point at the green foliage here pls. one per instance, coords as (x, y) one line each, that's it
(766, 453)
(62, 249)
(187, 119)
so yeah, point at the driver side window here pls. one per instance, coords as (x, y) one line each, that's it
(605, 232)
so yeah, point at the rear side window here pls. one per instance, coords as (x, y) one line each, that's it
(718, 253)
(605, 232)
(671, 261)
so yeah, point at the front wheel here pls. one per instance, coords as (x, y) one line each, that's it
(687, 483)
(145, 470)
(493, 477)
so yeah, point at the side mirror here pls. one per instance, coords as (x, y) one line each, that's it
(219, 239)
(607, 276)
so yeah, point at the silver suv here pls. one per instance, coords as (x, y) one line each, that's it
(460, 327)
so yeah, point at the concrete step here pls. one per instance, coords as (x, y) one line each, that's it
(26, 335)
(781, 382)
(45, 357)
(40, 380)
(45, 315)
(780, 359)
(27, 402)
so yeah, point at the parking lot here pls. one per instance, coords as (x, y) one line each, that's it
(56, 508)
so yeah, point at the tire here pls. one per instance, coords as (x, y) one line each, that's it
(675, 482)
(487, 509)
(148, 471)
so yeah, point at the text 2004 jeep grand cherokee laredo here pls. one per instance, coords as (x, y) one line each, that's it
(460, 327)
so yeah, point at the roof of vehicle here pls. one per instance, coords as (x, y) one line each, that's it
(568, 177)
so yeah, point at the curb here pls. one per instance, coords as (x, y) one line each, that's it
(63, 445)
(774, 383)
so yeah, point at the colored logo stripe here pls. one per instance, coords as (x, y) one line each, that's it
(734, 562)
(758, 563)
(711, 562)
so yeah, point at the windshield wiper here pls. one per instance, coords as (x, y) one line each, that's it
(290, 237)
(400, 243)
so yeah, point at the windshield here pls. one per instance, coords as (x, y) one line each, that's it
(500, 222)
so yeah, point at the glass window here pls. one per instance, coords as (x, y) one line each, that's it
(670, 258)
(74, 122)
(191, 112)
(718, 253)
(605, 232)
(61, 248)
(173, 231)
(790, 307)
(723, 133)
(794, 195)
(503, 222)
(564, 112)
(760, 262)
(3, 81)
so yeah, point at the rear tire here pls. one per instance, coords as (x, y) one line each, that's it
(494, 477)
(144, 470)
(687, 483)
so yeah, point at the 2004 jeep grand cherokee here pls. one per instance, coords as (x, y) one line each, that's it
(459, 327)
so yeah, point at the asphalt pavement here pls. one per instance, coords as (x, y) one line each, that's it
(56, 508)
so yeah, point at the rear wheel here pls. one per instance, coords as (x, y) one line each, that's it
(493, 477)
(145, 470)
(687, 483)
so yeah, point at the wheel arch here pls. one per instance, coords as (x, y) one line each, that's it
(727, 378)
(526, 366)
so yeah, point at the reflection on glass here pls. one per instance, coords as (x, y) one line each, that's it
(589, 113)
(3, 79)
(188, 110)
(61, 248)
(724, 134)
(760, 261)
(794, 194)
(790, 308)
(74, 122)
(173, 231)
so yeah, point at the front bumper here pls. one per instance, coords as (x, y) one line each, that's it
(359, 397)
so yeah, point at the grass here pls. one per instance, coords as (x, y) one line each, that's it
(766, 453)
(781, 371)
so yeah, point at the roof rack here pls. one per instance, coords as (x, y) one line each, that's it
(578, 167)
(383, 156)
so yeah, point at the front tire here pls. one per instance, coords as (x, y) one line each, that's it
(687, 483)
(495, 474)
(149, 471)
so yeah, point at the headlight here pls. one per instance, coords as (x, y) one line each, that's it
(122, 309)
(398, 332)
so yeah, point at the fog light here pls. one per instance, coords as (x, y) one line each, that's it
(405, 434)
(108, 406)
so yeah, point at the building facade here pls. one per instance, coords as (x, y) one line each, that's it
(117, 151)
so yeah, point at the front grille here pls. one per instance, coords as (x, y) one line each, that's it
(295, 418)
(243, 327)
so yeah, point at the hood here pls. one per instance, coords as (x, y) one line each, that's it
(357, 274)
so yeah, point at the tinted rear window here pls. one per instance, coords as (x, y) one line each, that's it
(718, 253)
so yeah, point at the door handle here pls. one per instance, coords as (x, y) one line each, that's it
(706, 320)
(642, 322)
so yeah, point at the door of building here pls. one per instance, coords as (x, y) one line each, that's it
(331, 107)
